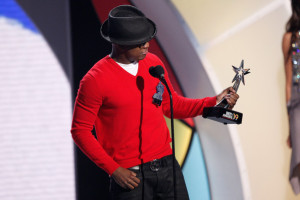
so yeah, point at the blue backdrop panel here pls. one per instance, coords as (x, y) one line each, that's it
(194, 172)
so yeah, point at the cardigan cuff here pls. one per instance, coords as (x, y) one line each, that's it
(211, 101)
(111, 168)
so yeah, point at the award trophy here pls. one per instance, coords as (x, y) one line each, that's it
(220, 112)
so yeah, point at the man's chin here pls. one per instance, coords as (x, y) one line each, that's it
(142, 56)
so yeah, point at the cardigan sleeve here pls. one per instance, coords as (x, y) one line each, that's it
(87, 105)
(184, 107)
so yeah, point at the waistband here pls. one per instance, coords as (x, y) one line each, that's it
(155, 164)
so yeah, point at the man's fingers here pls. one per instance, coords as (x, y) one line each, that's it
(133, 174)
(230, 102)
(133, 183)
(232, 97)
(235, 96)
(232, 90)
(129, 185)
(135, 179)
(126, 185)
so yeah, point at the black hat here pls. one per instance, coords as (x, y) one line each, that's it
(126, 25)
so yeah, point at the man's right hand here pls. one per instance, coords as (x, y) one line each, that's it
(126, 178)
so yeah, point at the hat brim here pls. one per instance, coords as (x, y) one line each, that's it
(105, 35)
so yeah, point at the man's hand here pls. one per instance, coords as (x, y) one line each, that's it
(126, 178)
(230, 95)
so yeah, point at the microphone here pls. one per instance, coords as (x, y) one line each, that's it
(157, 72)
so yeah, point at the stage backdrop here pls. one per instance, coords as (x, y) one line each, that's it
(47, 46)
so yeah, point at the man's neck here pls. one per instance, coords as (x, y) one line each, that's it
(119, 55)
(120, 58)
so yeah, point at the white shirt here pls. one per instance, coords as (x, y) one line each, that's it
(131, 68)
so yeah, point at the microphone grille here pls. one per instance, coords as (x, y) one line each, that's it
(157, 71)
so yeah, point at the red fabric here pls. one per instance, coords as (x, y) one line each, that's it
(130, 128)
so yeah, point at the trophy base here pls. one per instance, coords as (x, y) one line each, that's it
(222, 115)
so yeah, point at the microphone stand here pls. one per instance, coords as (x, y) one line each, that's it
(162, 79)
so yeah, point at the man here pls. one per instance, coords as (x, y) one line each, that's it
(126, 105)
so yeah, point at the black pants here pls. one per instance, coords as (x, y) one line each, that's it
(156, 183)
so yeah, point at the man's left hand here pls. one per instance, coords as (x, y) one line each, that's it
(230, 95)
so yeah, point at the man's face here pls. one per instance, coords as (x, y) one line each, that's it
(137, 52)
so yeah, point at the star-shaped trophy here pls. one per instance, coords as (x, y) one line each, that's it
(221, 112)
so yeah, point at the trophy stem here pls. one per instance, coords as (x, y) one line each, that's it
(236, 85)
(223, 103)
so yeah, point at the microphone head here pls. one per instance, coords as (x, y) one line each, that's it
(157, 72)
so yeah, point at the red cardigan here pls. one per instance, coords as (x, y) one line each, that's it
(130, 129)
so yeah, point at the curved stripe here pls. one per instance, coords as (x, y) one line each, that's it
(182, 51)
(10, 9)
